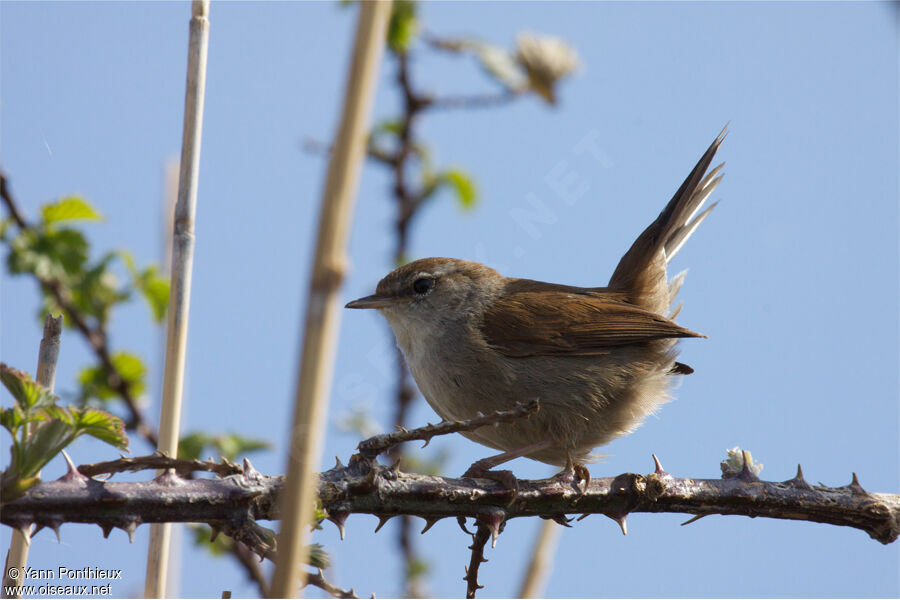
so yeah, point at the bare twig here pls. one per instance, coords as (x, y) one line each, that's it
(318, 579)
(160, 461)
(375, 445)
(479, 540)
(473, 101)
(10, 202)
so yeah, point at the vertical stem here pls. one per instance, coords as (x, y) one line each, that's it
(317, 354)
(182, 267)
(46, 376)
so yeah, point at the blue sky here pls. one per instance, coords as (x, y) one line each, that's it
(794, 277)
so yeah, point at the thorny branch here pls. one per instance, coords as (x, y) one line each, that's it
(160, 461)
(479, 540)
(375, 445)
(234, 502)
(95, 335)
(386, 492)
(231, 504)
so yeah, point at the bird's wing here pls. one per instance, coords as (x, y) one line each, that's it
(531, 323)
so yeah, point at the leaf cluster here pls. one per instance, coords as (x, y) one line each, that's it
(58, 254)
(85, 291)
(41, 429)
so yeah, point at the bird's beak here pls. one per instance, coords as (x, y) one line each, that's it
(374, 301)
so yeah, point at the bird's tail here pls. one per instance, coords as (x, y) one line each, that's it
(641, 274)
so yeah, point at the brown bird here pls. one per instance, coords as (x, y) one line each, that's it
(599, 360)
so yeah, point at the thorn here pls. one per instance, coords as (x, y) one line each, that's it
(620, 519)
(25, 530)
(798, 481)
(493, 519)
(658, 467)
(401, 428)
(854, 486)
(427, 441)
(72, 472)
(130, 528)
(561, 519)
(363, 485)
(694, 518)
(214, 533)
(382, 519)
(250, 474)
(462, 525)
(429, 522)
(106, 529)
(337, 463)
(55, 527)
(746, 473)
(339, 517)
(583, 517)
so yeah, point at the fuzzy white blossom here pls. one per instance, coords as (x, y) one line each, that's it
(546, 60)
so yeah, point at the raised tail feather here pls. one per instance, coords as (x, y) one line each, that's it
(641, 273)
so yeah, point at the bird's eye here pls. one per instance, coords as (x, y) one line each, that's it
(423, 285)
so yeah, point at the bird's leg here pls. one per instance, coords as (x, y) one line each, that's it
(574, 472)
(482, 468)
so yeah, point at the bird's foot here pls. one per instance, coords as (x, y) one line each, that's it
(573, 473)
(481, 469)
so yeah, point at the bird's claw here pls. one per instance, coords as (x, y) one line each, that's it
(506, 478)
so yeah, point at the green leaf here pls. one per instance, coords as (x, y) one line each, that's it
(46, 440)
(220, 546)
(155, 290)
(191, 446)
(416, 568)
(228, 445)
(392, 126)
(463, 186)
(95, 383)
(153, 287)
(4, 227)
(70, 208)
(97, 290)
(28, 394)
(403, 25)
(48, 253)
(11, 419)
(95, 423)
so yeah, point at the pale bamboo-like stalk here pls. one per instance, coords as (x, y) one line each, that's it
(541, 561)
(182, 267)
(322, 316)
(48, 353)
